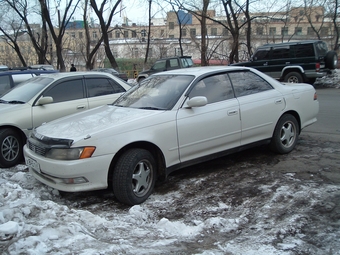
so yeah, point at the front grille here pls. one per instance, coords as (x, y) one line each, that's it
(37, 149)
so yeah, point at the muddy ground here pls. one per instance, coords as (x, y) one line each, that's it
(288, 202)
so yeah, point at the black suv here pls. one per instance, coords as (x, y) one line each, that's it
(166, 64)
(295, 62)
(11, 78)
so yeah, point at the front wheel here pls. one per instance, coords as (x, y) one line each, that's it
(293, 77)
(134, 176)
(11, 148)
(285, 134)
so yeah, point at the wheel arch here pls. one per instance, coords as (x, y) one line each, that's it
(152, 148)
(296, 115)
(290, 69)
(18, 130)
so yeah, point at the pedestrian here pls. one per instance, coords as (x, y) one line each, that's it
(73, 68)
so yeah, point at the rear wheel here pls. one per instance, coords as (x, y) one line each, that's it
(134, 176)
(293, 77)
(285, 134)
(11, 151)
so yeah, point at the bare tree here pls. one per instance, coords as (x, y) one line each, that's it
(63, 21)
(38, 38)
(105, 26)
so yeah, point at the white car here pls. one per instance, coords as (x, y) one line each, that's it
(171, 120)
(48, 97)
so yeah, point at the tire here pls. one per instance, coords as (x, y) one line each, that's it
(135, 169)
(331, 60)
(293, 77)
(285, 135)
(11, 148)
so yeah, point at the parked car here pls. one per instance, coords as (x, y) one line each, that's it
(112, 71)
(166, 64)
(171, 120)
(45, 98)
(296, 62)
(11, 78)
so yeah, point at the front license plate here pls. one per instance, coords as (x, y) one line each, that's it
(33, 164)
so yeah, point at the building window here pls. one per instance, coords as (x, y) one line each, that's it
(259, 30)
(133, 34)
(298, 30)
(117, 34)
(80, 35)
(184, 32)
(324, 31)
(143, 33)
(73, 34)
(272, 31)
(192, 31)
(162, 33)
(115, 54)
(171, 36)
(284, 31)
(126, 34)
(110, 35)
(225, 32)
(310, 31)
(214, 31)
(94, 34)
(171, 25)
(177, 51)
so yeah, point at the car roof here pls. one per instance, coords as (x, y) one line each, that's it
(197, 71)
(27, 71)
(290, 43)
(76, 74)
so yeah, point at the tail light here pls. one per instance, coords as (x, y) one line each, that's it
(317, 67)
(315, 96)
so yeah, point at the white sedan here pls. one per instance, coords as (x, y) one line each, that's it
(48, 97)
(172, 120)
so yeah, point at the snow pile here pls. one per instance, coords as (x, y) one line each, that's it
(332, 80)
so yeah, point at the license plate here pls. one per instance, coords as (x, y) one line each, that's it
(33, 164)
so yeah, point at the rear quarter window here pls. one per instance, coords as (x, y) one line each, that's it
(303, 50)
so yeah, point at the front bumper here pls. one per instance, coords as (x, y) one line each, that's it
(54, 172)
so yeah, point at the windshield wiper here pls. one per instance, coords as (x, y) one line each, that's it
(15, 102)
(151, 108)
(3, 101)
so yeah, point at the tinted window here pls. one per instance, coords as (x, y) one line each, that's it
(66, 91)
(159, 65)
(98, 87)
(262, 54)
(303, 50)
(173, 63)
(187, 62)
(247, 83)
(5, 84)
(282, 52)
(215, 88)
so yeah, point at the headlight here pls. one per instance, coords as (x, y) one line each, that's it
(71, 153)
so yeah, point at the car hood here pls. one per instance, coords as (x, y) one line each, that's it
(10, 110)
(83, 125)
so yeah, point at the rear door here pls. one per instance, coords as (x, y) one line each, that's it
(260, 105)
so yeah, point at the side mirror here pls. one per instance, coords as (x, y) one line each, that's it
(196, 102)
(45, 100)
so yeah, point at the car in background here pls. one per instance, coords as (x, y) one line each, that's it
(166, 64)
(301, 61)
(42, 67)
(48, 97)
(11, 78)
(112, 71)
(170, 120)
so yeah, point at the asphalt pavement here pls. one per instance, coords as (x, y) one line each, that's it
(328, 122)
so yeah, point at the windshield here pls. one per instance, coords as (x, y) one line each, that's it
(158, 92)
(25, 91)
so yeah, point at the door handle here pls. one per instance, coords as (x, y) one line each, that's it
(232, 112)
(79, 107)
